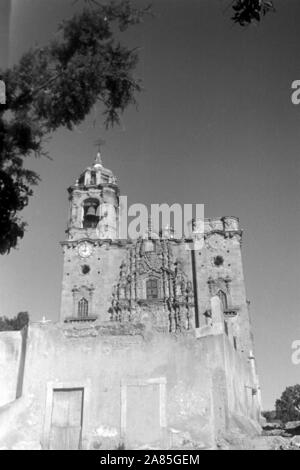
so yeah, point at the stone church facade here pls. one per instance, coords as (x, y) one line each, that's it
(153, 348)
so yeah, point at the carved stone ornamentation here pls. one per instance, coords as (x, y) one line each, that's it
(172, 307)
(219, 284)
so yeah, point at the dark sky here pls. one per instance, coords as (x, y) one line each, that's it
(215, 125)
(4, 30)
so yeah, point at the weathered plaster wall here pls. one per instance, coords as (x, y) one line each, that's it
(10, 355)
(235, 393)
(208, 385)
(66, 356)
(243, 398)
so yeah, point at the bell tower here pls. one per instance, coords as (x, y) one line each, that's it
(94, 204)
(92, 227)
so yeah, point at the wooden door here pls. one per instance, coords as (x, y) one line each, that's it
(66, 419)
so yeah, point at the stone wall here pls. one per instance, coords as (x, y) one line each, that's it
(215, 269)
(104, 269)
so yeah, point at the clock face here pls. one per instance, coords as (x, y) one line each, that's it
(85, 249)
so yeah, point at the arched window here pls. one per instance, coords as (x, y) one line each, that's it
(90, 213)
(152, 289)
(83, 308)
(223, 298)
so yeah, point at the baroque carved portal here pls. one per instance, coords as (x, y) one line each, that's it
(153, 288)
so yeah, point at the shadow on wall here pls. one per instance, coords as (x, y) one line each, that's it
(12, 364)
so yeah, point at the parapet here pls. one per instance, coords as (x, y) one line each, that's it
(224, 224)
(217, 224)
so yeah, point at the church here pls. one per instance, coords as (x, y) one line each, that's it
(153, 348)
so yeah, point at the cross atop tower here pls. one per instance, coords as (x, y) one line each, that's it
(98, 159)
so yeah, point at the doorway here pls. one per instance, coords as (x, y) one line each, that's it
(66, 415)
(143, 413)
(66, 419)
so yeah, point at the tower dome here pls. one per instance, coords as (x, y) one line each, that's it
(96, 174)
(94, 203)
